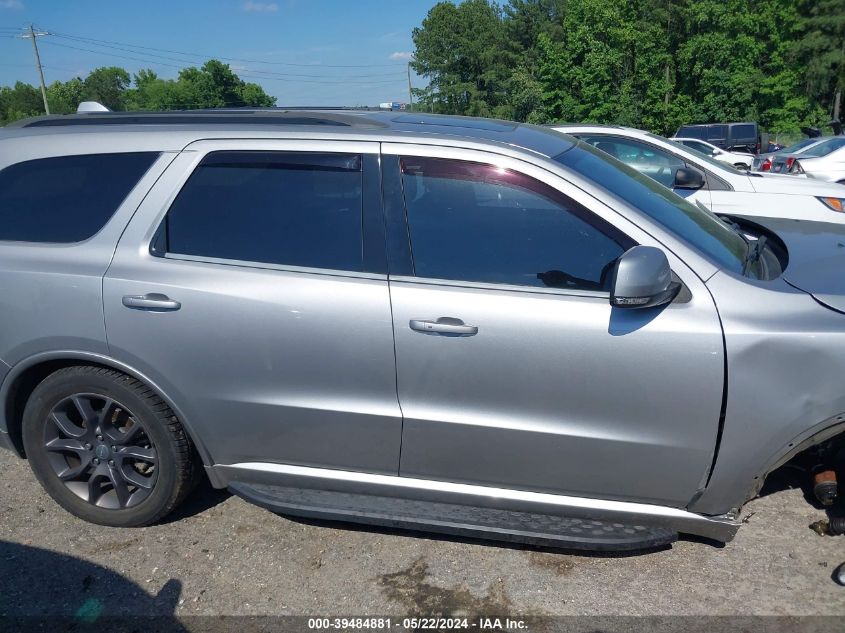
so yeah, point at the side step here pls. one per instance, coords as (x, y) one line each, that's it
(454, 519)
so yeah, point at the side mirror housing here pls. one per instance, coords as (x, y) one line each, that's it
(688, 178)
(642, 278)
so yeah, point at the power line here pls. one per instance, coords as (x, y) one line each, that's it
(222, 57)
(395, 73)
(266, 75)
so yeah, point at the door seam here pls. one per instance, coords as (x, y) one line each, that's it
(392, 319)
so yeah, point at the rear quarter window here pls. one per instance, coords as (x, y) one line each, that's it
(66, 199)
(744, 131)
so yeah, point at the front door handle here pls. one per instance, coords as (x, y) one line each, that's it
(444, 325)
(153, 301)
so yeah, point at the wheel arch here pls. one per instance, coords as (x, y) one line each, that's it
(25, 375)
(831, 429)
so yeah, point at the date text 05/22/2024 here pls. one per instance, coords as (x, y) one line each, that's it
(417, 623)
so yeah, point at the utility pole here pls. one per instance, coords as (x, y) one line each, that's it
(32, 35)
(836, 100)
(410, 94)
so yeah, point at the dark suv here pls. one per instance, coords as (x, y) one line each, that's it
(731, 136)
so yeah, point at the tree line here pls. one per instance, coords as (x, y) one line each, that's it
(213, 85)
(651, 64)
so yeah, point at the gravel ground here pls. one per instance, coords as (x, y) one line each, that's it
(222, 556)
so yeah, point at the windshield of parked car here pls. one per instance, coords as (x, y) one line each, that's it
(825, 147)
(700, 228)
(699, 156)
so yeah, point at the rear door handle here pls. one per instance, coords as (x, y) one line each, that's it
(153, 301)
(444, 325)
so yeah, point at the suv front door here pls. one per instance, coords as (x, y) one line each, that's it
(513, 370)
(251, 287)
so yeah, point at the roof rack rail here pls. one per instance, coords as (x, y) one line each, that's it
(94, 114)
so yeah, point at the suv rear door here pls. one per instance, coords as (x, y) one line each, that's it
(251, 287)
(512, 368)
(717, 134)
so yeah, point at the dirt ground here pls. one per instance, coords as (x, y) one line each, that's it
(222, 556)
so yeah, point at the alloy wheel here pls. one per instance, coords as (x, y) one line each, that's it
(100, 451)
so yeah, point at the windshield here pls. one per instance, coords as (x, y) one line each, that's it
(799, 145)
(699, 156)
(700, 228)
(825, 147)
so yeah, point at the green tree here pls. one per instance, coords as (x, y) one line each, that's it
(108, 86)
(461, 50)
(65, 97)
(654, 64)
(211, 86)
(19, 101)
(819, 49)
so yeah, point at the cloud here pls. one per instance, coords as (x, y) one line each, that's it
(11, 4)
(401, 55)
(257, 7)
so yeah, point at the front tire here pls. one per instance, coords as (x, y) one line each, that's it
(106, 448)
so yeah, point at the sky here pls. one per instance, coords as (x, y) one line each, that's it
(303, 52)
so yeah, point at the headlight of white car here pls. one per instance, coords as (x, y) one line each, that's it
(835, 204)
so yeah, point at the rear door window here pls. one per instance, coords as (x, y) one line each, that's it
(66, 199)
(717, 134)
(299, 209)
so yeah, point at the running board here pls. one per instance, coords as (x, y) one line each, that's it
(455, 519)
(395, 499)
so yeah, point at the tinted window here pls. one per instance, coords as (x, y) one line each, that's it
(298, 209)
(67, 198)
(476, 222)
(693, 131)
(698, 227)
(825, 147)
(744, 131)
(718, 132)
(646, 159)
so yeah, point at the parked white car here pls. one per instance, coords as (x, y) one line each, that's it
(740, 160)
(720, 187)
(825, 161)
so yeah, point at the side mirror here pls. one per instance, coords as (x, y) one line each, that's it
(688, 178)
(716, 152)
(642, 279)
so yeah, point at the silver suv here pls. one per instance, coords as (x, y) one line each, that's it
(469, 326)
